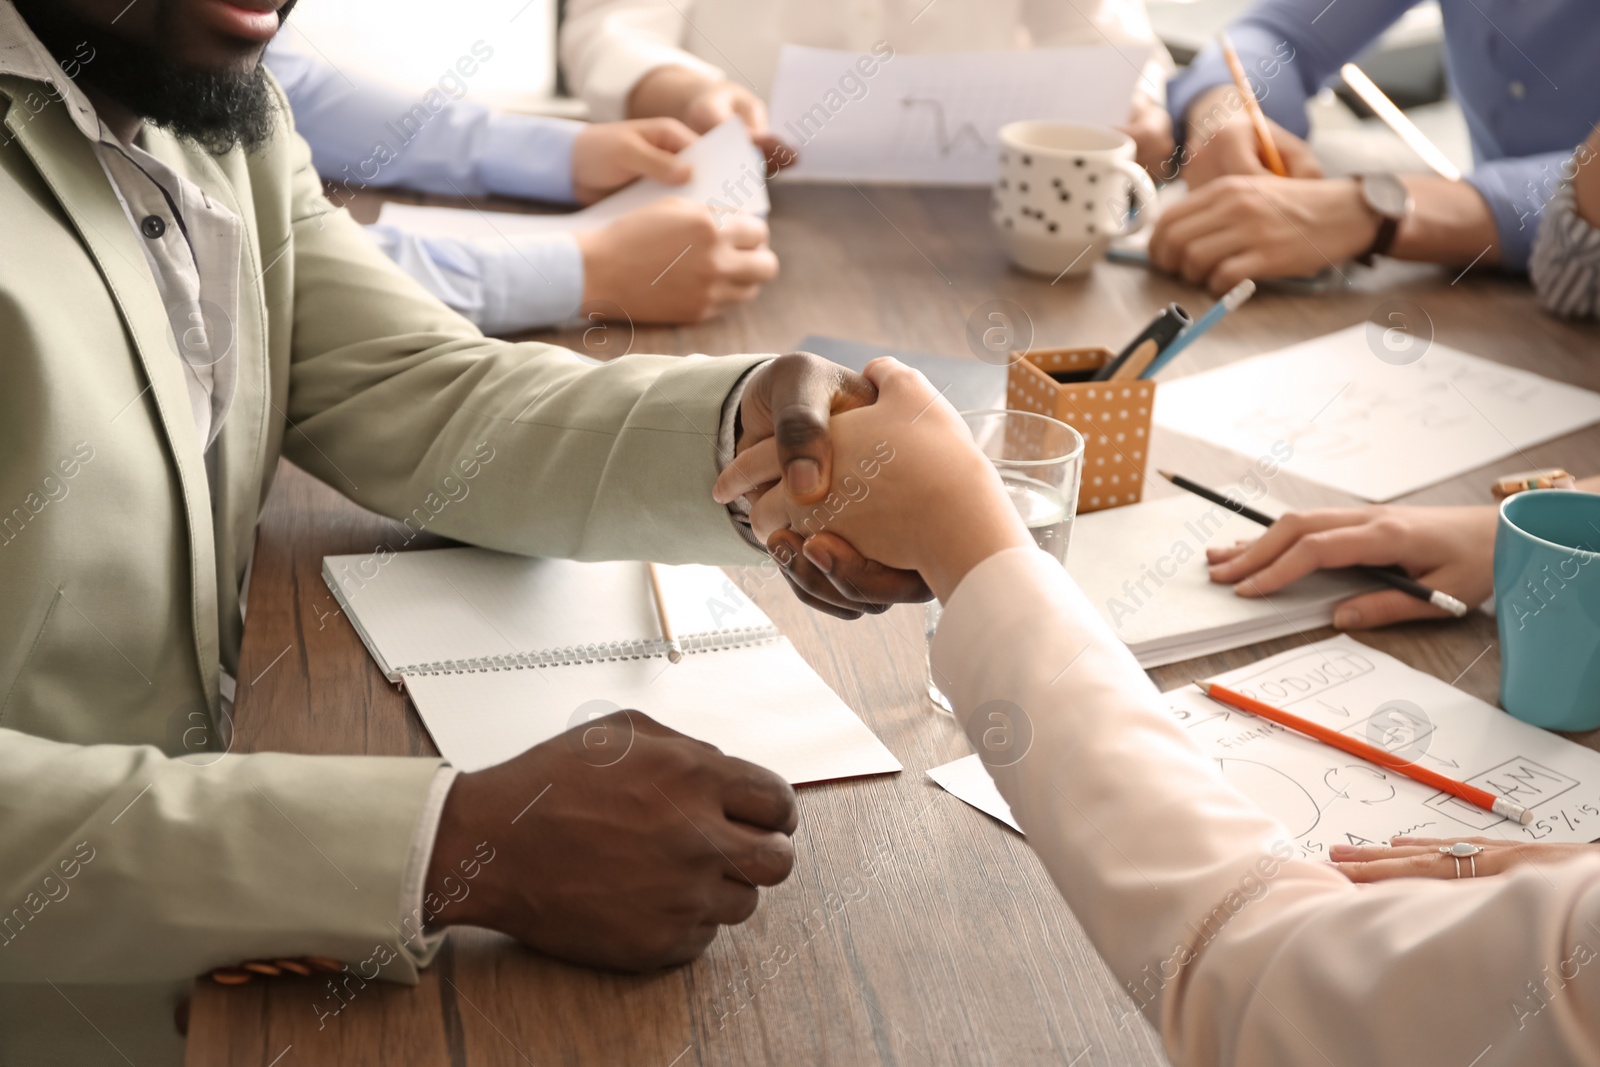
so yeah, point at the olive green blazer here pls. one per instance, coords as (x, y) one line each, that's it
(121, 561)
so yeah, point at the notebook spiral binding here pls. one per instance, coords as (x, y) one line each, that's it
(651, 648)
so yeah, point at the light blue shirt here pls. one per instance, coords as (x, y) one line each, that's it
(363, 134)
(1526, 73)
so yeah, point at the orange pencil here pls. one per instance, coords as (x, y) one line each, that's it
(1371, 753)
(1269, 148)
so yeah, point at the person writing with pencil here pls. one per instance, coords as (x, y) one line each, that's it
(1239, 951)
(1244, 218)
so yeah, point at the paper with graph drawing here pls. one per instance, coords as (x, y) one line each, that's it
(935, 119)
(1375, 428)
(729, 176)
(1326, 797)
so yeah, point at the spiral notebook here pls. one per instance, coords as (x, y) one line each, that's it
(501, 652)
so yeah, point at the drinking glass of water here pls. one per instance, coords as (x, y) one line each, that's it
(1040, 461)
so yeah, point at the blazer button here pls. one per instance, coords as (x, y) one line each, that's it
(153, 226)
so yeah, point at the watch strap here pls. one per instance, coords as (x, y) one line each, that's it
(1388, 229)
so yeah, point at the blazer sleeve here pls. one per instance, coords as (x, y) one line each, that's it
(125, 865)
(1237, 951)
(390, 394)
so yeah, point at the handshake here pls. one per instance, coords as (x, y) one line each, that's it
(636, 863)
(908, 490)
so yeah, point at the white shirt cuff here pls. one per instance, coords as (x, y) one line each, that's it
(727, 440)
(419, 945)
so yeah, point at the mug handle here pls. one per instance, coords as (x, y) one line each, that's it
(1141, 189)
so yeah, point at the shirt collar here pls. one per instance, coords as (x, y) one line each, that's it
(22, 54)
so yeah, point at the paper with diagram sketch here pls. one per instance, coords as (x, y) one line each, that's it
(1327, 797)
(1144, 567)
(935, 119)
(502, 652)
(1360, 418)
(729, 176)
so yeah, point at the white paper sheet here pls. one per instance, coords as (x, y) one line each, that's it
(729, 177)
(1326, 797)
(935, 119)
(1371, 428)
(761, 703)
(968, 779)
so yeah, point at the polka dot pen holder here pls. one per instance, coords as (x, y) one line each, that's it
(1064, 192)
(1113, 417)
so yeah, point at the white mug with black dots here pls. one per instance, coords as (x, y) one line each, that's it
(1063, 194)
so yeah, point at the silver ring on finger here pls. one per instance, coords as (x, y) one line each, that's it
(1463, 850)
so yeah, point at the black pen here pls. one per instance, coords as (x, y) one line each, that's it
(1390, 576)
(1169, 322)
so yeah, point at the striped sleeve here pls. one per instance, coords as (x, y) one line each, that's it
(1566, 259)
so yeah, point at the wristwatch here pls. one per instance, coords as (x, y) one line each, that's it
(1388, 198)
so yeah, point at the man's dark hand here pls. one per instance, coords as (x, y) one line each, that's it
(827, 573)
(791, 400)
(619, 844)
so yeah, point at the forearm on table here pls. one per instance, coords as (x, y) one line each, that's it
(365, 133)
(1450, 223)
(502, 286)
(1179, 880)
(123, 865)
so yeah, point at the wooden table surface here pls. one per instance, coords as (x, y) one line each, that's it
(914, 930)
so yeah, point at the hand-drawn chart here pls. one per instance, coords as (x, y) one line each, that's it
(947, 141)
(935, 119)
(1323, 796)
(1371, 428)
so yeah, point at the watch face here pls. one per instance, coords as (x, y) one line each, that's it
(1386, 194)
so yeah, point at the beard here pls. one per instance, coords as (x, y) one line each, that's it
(215, 109)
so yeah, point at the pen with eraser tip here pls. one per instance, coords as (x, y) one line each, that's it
(1393, 577)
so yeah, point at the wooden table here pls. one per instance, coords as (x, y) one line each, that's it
(914, 930)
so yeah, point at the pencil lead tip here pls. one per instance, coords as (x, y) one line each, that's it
(1165, 474)
(1204, 687)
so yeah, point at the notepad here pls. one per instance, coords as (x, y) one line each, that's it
(1360, 418)
(729, 176)
(1144, 567)
(502, 652)
(1325, 796)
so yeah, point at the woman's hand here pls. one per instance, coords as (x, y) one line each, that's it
(1450, 549)
(1419, 857)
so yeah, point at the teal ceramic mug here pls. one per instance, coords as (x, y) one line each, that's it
(1547, 599)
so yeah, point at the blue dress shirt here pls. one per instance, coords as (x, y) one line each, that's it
(364, 134)
(1526, 73)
